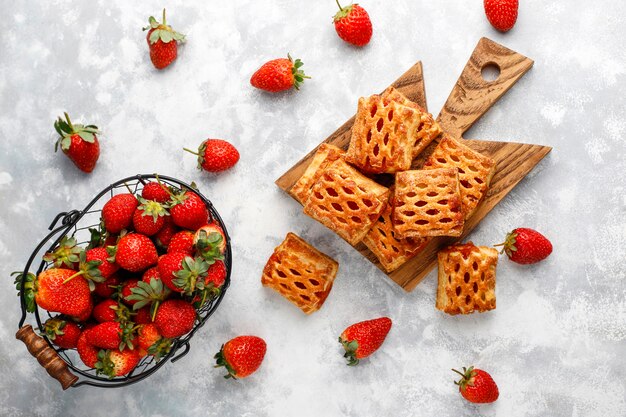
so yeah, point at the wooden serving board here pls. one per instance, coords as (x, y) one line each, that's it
(470, 98)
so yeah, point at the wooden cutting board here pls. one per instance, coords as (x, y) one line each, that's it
(470, 98)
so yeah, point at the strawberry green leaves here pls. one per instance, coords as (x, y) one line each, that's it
(163, 32)
(191, 277)
(65, 254)
(66, 130)
(298, 74)
(27, 290)
(209, 246)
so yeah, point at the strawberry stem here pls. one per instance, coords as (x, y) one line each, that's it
(67, 117)
(164, 23)
(340, 8)
(190, 151)
(73, 276)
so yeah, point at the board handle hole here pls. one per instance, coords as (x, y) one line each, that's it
(490, 71)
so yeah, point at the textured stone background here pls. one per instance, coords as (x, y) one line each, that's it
(556, 343)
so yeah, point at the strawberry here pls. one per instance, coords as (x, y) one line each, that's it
(163, 42)
(118, 212)
(164, 236)
(87, 352)
(149, 218)
(216, 275)
(477, 386)
(111, 310)
(210, 241)
(182, 273)
(175, 318)
(127, 291)
(143, 316)
(106, 288)
(353, 24)
(155, 191)
(57, 290)
(152, 343)
(241, 356)
(216, 155)
(78, 142)
(362, 339)
(61, 332)
(279, 75)
(502, 14)
(65, 255)
(188, 210)
(149, 291)
(105, 267)
(115, 362)
(181, 242)
(134, 252)
(111, 335)
(526, 246)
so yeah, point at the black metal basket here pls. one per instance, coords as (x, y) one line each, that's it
(89, 217)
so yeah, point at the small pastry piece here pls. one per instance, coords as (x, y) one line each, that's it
(391, 251)
(467, 279)
(300, 273)
(425, 130)
(326, 154)
(380, 139)
(475, 170)
(427, 203)
(346, 201)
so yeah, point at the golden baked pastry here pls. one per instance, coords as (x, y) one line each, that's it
(326, 154)
(391, 251)
(467, 279)
(380, 139)
(425, 130)
(300, 273)
(427, 203)
(475, 170)
(346, 201)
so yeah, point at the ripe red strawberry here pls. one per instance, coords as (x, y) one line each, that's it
(150, 274)
(210, 241)
(163, 42)
(61, 332)
(353, 24)
(111, 335)
(215, 155)
(134, 252)
(78, 142)
(175, 318)
(143, 316)
(127, 291)
(155, 191)
(149, 217)
(87, 352)
(117, 213)
(362, 339)
(111, 310)
(115, 362)
(241, 356)
(216, 274)
(107, 288)
(279, 75)
(182, 273)
(65, 255)
(502, 14)
(189, 211)
(164, 236)
(152, 343)
(61, 290)
(477, 386)
(526, 246)
(105, 267)
(181, 242)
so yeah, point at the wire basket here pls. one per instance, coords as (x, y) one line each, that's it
(65, 364)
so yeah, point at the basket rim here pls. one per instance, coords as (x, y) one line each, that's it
(71, 219)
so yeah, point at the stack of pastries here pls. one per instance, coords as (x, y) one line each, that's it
(339, 190)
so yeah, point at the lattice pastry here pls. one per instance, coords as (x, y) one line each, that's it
(467, 279)
(380, 139)
(427, 203)
(346, 201)
(391, 251)
(475, 170)
(425, 130)
(326, 154)
(300, 273)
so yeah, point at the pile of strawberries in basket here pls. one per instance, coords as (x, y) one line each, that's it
(154, 261)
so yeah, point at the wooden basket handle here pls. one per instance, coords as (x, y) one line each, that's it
(46, 356)
(472, 95)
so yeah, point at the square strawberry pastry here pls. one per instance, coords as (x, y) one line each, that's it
(467, 279)
(300, 273)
